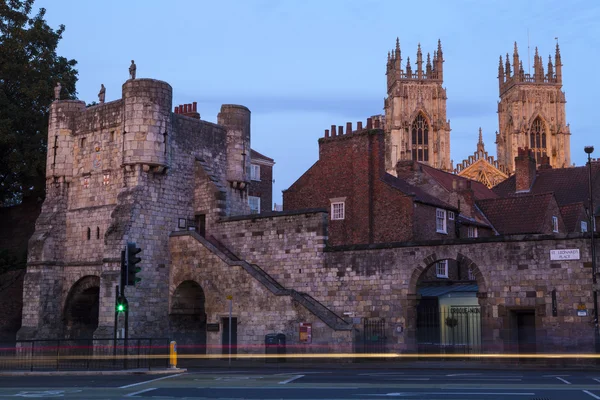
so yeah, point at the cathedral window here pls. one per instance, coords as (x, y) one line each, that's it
(420, 139)
(537, 139)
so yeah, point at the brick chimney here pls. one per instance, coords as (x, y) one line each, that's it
(545, 163)
(524, 170)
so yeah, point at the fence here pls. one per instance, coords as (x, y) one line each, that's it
(84, 354)
(449, 330)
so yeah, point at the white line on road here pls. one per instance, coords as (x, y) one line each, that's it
(398, 394)
(151, 380)
(591, 394)
(293, 378)
(140, 392)
(563, 380)
(279, 388)
(462, 374)
(554, 376)
(596, 379)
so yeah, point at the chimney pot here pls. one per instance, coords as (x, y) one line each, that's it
(359, 126)
(326, 132)
(195, 106)
(376, 123)
(369, 123)
(348, 127)
(333, 130)
(340, 130)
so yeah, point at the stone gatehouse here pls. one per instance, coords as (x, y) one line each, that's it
(133, 170)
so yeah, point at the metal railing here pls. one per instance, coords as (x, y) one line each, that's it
(84, 354)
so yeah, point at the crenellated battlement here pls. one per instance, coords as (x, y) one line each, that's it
(513, 74)
(374, 122)
(433, 71)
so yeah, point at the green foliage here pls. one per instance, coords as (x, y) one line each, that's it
(29, 70)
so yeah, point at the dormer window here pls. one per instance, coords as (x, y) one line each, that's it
(554, 224)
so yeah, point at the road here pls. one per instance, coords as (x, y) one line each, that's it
(363, 383)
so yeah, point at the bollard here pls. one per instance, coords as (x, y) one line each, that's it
(173, 354)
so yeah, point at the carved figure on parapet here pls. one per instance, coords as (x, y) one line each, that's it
(57, 90)
(102, 93)
(132, 69)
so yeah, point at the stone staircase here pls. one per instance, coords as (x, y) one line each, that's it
(317, 308)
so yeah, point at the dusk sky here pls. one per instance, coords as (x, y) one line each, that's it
(301, 66)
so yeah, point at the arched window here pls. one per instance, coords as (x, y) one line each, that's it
(537, 139)
(420, 139)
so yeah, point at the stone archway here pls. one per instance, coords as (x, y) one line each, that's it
(187, 318)
(424, 306)
(80, 315)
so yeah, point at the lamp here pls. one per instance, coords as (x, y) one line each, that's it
(589, 150)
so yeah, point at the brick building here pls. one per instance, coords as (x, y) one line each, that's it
(260, 190)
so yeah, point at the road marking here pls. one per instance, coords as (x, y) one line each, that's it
(462, 374)
(278, 387)
(151, 380)
(596, 379)
(381, 373)
(303, 372)
(140, 392)
(409, 379)
(554, 376)
(293, 378)
(591, 394)
(447, 394)
(563, 380)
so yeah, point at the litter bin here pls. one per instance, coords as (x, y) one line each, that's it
(281, 347)
(271, 347)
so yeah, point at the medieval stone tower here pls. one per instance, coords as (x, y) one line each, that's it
(415, 111)
(531, 111)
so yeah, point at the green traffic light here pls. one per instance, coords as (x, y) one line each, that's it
(120, 307)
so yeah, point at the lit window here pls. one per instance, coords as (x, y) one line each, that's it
(441, 269)
(440, 221)
(583, 226)
(472, 233)
(106, 180)
(254, 203)
(554, 224)
(337, 210)
(255, 172)
(451, 215)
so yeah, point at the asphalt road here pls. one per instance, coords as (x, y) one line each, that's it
(283, 383)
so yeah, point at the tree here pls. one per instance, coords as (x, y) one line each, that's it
(29, 70)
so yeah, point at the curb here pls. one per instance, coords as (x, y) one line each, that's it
(95, 373)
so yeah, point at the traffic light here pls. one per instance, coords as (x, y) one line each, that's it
(132, 260)
(121, 304)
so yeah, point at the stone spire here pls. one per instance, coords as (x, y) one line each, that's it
(408, 67)
(428, 67)
(558, 65)
(500, 72)
(439, 67)
(516, 62)
(419, 62)
(398, 57)
(480, 146)
(507, 70)
(550, 69)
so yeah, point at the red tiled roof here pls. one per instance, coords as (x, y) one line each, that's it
(570, 214)
(256, 155)
(570, 185)
(517, 214)
(445, 179)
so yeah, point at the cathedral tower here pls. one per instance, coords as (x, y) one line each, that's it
(531, 111)
(415, 111)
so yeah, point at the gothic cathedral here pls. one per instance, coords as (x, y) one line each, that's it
(415, 111)
(531, 112)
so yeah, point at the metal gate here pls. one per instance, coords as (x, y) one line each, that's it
(449, 329)
(374, 338)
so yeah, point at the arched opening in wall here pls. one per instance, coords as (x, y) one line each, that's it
(537, 140)
(447, 314)
(420, 139)
(187, 319)
(80, 314)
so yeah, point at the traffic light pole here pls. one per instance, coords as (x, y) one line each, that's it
(116, 321)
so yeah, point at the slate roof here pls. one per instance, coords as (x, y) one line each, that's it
(254, 155)
(570, 185)
(445, 179)
(419, 195)
(524, 214)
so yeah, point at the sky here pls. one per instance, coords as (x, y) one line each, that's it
(301, 66)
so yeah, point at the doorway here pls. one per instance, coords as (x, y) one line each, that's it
(523, 336)
(225, 335)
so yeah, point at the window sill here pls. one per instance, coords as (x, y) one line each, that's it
(442, 232)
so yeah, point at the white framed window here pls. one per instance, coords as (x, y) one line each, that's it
(583, 226)
(254, 203)
(254, 172)
(338, 210)
(440, 221)
(450, 215)
(441, 269)
(554, 224)
(472, 232)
